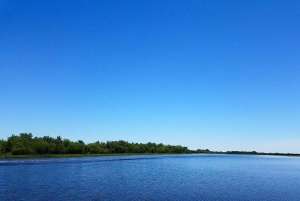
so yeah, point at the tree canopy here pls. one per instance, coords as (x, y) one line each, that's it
(26, 144)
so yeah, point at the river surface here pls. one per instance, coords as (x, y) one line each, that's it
(152, 177)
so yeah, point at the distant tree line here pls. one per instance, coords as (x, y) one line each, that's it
(26, 144)
(241, 152)
(258, 153)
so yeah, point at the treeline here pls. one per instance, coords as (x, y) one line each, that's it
(26, 144)
(241, 152)
(259, 153)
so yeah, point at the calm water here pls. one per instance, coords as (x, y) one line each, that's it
(152, 177)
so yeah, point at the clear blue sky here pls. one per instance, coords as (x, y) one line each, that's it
(222, 75)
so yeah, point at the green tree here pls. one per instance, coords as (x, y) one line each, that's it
(3, 145)
(26, 144)
(66, 143)
(96, 148)
(61, 149)
(11, 141)
(76, 148)
(51, 148)
(18, 149)
(40, 146)
(26, 139)
(19, 144)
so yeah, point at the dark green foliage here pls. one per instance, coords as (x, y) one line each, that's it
(60, 148)
(40, 146)
(19, 144)
(241, 152)
(125, 147)
(51, 148)
(66, 144)
(18, 149)
(26, 144)
(76, 147)
(97, 148)
(3, 145)
(203, 151)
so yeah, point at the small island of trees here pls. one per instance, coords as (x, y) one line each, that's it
(26, 144)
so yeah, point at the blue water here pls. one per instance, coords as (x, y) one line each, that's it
(152, 177)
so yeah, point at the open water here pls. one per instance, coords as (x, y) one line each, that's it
(152, 177)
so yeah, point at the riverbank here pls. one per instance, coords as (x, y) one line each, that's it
(128, 154)
(78, 155)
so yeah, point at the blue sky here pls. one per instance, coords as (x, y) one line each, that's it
(222, 75)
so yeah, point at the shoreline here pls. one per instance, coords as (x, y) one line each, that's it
(130, 154)
(81, 155)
